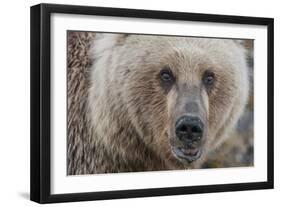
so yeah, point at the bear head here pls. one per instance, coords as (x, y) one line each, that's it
(180, 94)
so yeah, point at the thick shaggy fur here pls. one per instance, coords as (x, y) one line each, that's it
(119, 117)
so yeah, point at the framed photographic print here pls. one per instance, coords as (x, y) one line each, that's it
(132, 103)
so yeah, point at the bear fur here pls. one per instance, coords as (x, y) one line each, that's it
(120, 118)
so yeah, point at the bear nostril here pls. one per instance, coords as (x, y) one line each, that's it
(189, 128)
(183, 129)
(196, 129)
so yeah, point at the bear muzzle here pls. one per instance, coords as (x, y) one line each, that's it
(189, 132)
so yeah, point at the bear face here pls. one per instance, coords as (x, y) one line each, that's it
(179, 94)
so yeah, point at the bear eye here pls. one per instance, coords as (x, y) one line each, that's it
(166, 75)
(208, 78)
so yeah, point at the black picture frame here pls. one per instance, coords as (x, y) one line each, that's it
(41, 99)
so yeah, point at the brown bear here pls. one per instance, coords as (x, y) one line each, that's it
(148, 102)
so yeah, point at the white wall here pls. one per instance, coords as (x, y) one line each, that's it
(14, 93)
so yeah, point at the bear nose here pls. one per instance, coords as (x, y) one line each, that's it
(189, 128)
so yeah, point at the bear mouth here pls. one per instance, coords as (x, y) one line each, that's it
(188, 154)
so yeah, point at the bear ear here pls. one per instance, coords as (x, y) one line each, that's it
(247, 44)
(107, 41)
